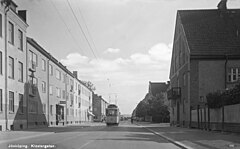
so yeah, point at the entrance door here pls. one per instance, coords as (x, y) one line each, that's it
(59, 114)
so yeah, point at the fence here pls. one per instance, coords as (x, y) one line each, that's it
(226, 118)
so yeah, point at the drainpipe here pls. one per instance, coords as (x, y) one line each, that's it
(6, 62)
(225, 85)
(225, 67)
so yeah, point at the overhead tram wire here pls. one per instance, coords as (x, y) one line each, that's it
(82, 30)
(84, 22)
(69, 29)
(84, 33)
(74, 39)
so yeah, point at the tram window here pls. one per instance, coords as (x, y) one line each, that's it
(111, 112)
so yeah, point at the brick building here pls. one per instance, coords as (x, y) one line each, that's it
(99, 108)
(205, 58)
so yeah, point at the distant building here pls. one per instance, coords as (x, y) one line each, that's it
(157, 89)
(99, 108)
(205, 58)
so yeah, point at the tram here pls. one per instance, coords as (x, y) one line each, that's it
(112, 115)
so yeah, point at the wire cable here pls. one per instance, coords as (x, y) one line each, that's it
(81, 29)
(75, 41)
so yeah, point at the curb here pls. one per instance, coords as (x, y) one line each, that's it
(33, 136)
(179, 144)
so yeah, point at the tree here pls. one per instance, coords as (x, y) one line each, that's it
(153, 106)
(142, 109)
(89, 85)
(158, 110)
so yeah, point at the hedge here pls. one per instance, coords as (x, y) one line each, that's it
(227, 97)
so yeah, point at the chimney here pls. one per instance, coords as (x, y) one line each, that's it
(23, 14)
(75, 74)
(222, 5)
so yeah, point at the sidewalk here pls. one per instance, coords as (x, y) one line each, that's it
(195, 138)
(8, 136)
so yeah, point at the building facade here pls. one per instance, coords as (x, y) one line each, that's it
(157, 89)
(205, 59)
(13, 76)
(99, 108)
(36, 90)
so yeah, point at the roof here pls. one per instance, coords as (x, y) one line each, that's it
(212, 32)
(48, 55)
(157, 88)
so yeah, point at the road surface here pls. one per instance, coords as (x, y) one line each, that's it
(100, 136)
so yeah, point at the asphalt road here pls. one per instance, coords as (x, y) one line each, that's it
(124, 136)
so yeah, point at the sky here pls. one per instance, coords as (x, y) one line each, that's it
(118, 45)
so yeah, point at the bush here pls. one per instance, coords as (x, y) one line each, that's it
(214, 100)
(228, 97)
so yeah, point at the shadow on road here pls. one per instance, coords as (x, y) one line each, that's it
(89, 129)
(137, 137)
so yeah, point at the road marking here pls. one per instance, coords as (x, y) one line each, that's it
(81, 147)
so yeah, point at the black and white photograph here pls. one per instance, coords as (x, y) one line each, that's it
(119, 74)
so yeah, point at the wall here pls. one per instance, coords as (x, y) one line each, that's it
(214, 119)
(16, 119)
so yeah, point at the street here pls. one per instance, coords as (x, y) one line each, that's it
(99, 136)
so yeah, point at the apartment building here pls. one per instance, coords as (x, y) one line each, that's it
(36, 90)
(99, 108)
(86, 97)
(58, 92)
(13, 76)
(205, 58)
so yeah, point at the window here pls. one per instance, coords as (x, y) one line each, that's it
(51, 109)
(43, 87)
(67, 95)
(35, 81)
(10, 33)
(50, 89)
(58, 92)
(1, 62)
(21, 103)
(71, 84)
(33, 106)
(32, 59)
(50, 69)
(11, 67)
(1, 26)
(44, 108)
(1, 100)
(233, 74)
(43, 65)
(58, 74)
(20, 71)
(64, 94)
(71, 96)
(11, 101)
(20, 40)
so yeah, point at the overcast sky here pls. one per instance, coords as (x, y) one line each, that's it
(131, 40)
